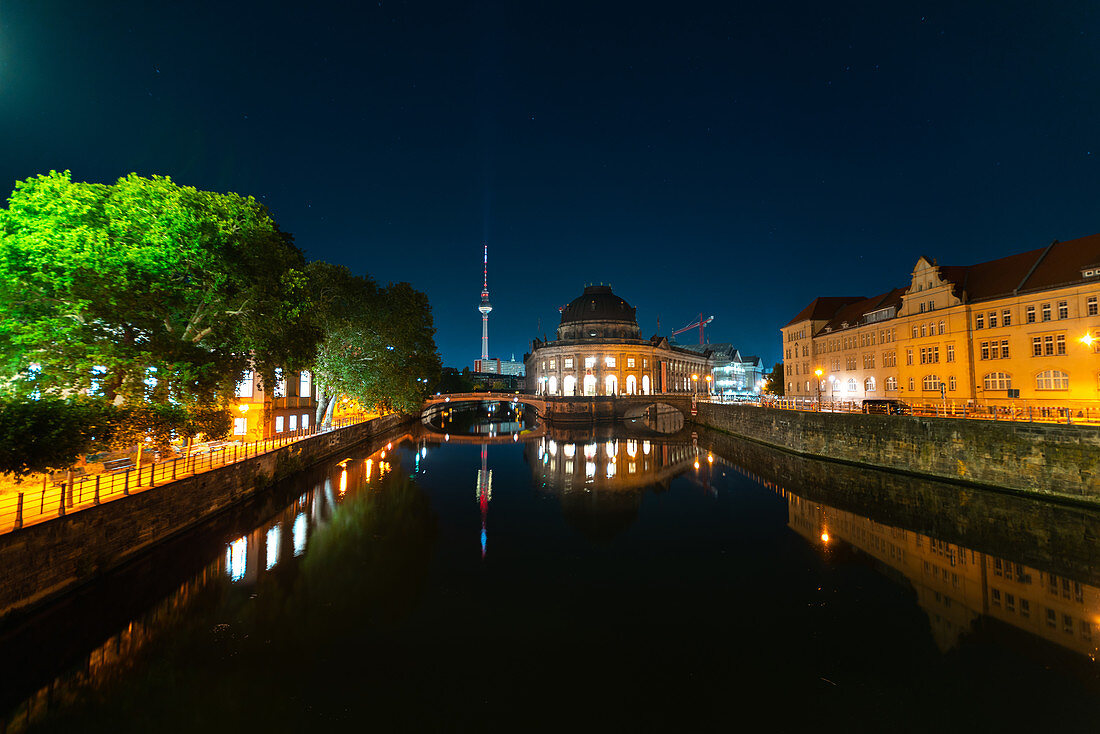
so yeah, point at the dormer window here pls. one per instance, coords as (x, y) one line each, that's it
(1091, 272)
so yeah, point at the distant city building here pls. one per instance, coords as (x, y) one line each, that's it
(599, 350)
(499, 366)
(1022, 328)
(733, 373)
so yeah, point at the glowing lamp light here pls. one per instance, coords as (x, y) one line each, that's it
(825, 537)
(818, 372)
(695, 377)
(1088, 339)
(243, 408)
(710, 458)
(697, 464)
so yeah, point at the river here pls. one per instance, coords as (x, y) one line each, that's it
(491, 573)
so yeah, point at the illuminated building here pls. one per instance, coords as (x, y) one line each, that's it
(258, 412)
(733, 373)
(599, 350)
(1020, 328)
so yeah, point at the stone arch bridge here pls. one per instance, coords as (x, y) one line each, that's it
(582, 409)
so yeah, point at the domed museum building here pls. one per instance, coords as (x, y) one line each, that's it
(599, 350)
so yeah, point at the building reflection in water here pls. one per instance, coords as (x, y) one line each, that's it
(956, 585)
(600, 480)
(246, 560)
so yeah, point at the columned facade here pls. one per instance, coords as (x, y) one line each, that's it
(599, 351)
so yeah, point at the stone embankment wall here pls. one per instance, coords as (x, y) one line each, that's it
(1033, 458)
(45, 560)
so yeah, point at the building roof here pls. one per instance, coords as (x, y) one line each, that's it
(853, 313)
(822, 307)
(598, 303)
(1057, 264)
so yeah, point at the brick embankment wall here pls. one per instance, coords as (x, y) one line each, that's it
(45, 560)
(1038, 459)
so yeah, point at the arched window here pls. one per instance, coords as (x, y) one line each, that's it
(922, 331)
(943, 329)
(911, 388)
(1052, 380)
(851, 384)
(645, 384)
(611, 385)
(891, 384)
(589, 384)
(631, 385)
(553, 385)
(569, 385)
(869, 384)
(997, 381)
(931, 383)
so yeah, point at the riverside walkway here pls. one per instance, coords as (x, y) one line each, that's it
(40, 502)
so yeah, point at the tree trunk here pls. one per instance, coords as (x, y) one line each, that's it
(328, 413)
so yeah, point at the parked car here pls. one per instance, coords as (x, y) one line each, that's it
(887, 406)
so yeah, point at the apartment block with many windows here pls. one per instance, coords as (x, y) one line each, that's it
(1023, 328)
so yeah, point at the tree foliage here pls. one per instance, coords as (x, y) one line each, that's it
(49, 433)
(378, 346)
(775, 384)
(145, 289)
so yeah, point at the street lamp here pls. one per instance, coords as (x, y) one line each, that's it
(709, 378)
(819, 373)
(1088, 339)
(695, 383)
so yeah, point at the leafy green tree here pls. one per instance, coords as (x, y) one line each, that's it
(378, 344)
(145, 290)
(47, 434)
(775, 383)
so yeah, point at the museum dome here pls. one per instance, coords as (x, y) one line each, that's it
(597, 303)
(598, 314)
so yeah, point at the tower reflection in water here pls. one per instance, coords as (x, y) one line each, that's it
(956, 586)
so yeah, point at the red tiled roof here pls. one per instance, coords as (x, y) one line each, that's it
(1056, 265)
(823, 307)
(853, 313)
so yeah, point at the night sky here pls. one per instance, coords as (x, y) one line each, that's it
(735, 159)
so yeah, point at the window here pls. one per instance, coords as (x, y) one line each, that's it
(630, 362)
(997, 597)
(1052, 618)
(1063, 310)
(916, 333)
(609, 361)
(850, 362)
(909, 356)
(891, 383)
(278, 424)
(1091, 306)
(1048, 345)
(294, 423)
(1036, 346)
(1030, 315)
(922, 331)
(868, 361)
(931, 383)
(1004, 348)
(305, 421)
(240, 426)
(985, 350)
(1052, 380)
(589, 362)
(979, 321)
(1010, 602)
(1046, 312)
(911, 385)
(992, 319)
(951, 384)
(553, 363)
(950, 352)
(931, 305)
(869, 384)
(1006, 318)
(943, 328)
(851, 385)
(569, 363)
(1060, 344)
(921, 307)
(244, 387)
(304, 383)
(997, 381)
(1025, 607)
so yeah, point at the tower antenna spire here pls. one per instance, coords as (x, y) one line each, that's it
(485, 306)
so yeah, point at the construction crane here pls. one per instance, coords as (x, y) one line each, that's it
(701, 323)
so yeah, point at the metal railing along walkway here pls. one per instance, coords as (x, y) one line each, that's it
(40, 503)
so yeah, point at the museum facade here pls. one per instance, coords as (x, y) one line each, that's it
(599, 350)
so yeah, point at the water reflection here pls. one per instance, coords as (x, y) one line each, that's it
(955, 585)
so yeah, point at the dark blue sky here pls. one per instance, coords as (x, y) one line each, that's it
(733, 159)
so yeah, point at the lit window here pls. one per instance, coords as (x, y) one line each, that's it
(294, 423)
(244, 387)
(1052, 380)
(851, 385)
(240, 426)
(305, 421)
(609, 361)
(629, 361)
(553, 363)
(589, 362)
(891, 384)
(869, 384)
(305, 383)
(569, 363)
(278, 424)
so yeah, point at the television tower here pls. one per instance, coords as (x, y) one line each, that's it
(485, 306)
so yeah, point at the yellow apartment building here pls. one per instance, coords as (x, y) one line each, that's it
(1021, 330)
(287, 406)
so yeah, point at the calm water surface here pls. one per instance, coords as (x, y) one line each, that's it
(518, 579)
